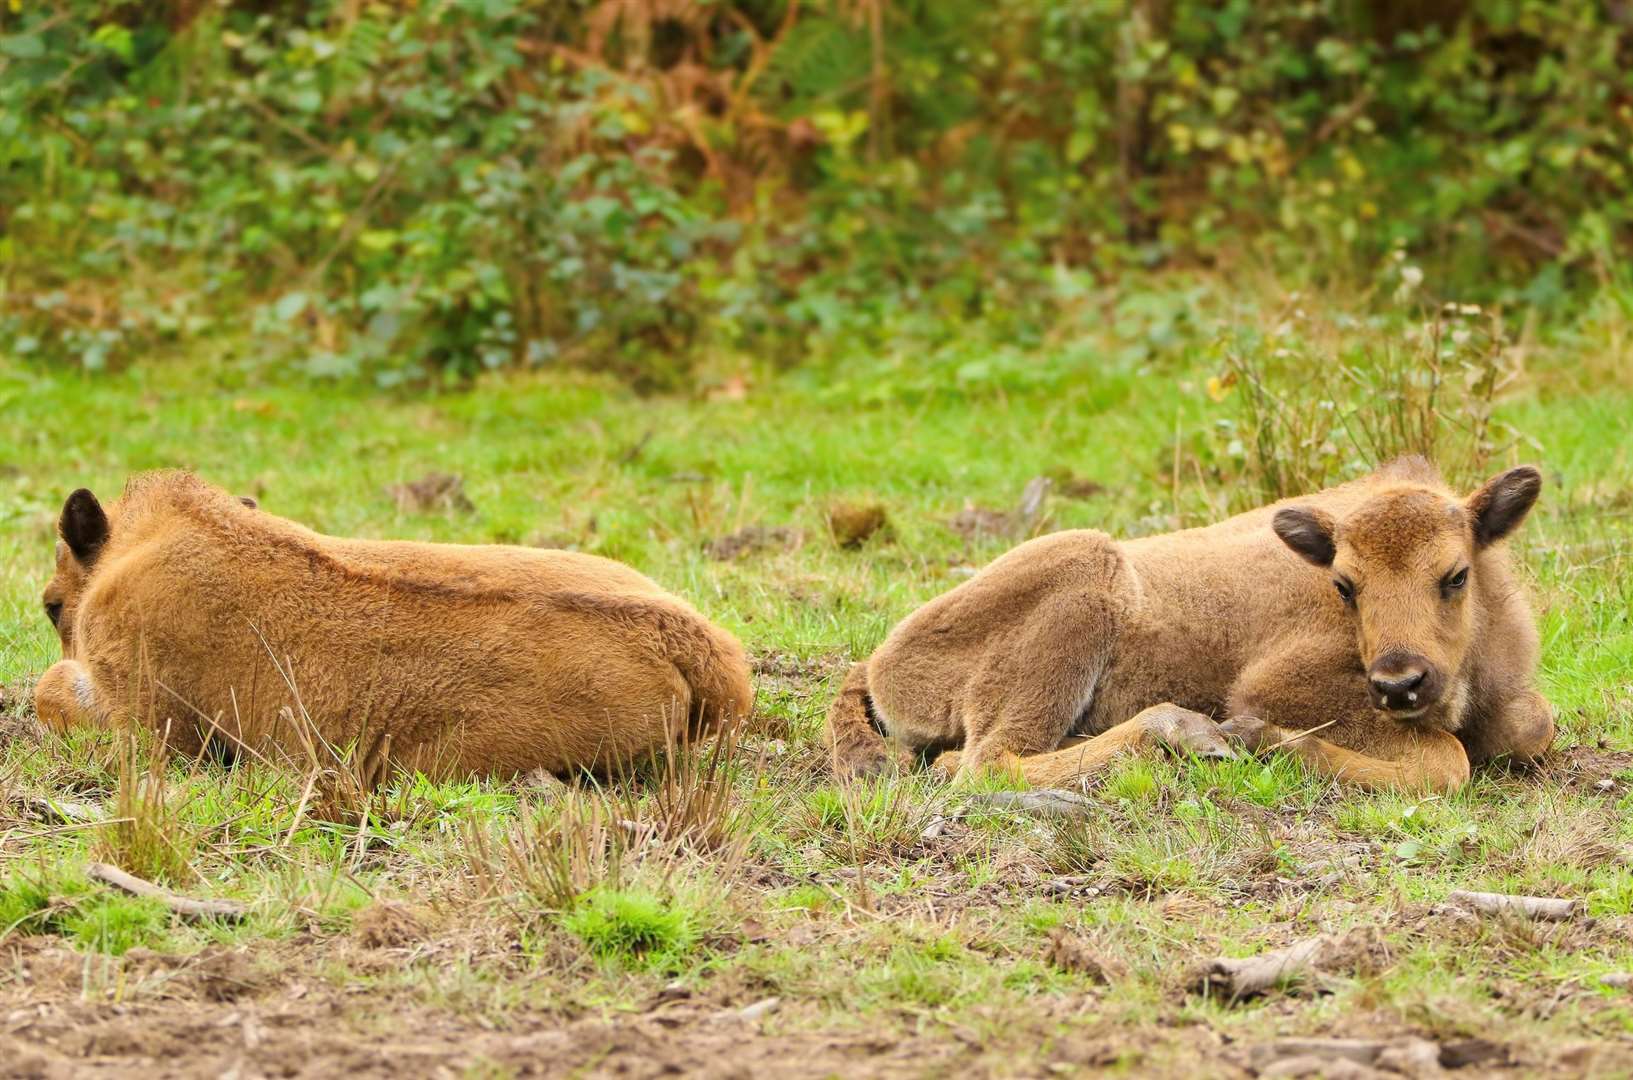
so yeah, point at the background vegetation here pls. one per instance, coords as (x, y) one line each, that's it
(409, 190)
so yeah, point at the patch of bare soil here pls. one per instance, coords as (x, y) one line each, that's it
(1072, 486)
(979, 522)
(433, 491)
(752, 539)
(296, 1032)
(1590, 769)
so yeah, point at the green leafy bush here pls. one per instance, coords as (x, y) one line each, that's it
(453, 185)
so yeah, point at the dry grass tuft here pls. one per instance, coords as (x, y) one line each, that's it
(146, 835)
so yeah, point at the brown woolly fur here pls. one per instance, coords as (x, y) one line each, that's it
(187, 609)
(1382, 614)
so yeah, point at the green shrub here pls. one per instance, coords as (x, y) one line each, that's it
(634, 928)
(433, 188)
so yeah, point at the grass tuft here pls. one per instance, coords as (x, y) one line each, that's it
(634, 928)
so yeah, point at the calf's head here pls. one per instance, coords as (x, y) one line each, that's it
(82, 531)
(1403, 564)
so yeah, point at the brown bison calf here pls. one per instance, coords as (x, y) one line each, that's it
(192, 611)
(1382, 614)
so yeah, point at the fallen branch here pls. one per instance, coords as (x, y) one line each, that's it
(1531, 907)
(185, 906)
(65, 811)
(1312, 1057)
(1049, 802)
(759, 1009)
(1243, 977)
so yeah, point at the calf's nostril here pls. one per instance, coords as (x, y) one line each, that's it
(1404, 686)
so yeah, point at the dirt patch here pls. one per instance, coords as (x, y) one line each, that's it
(979, 522)
(753, 539)
(330, 1036)
(787, 666)
(216, 974)
(1590, 769)
(433, 491)
(1069, 485)
(1074, 953)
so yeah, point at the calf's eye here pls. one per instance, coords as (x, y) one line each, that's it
(1345, 590)
(54, 613)
(1452, 582)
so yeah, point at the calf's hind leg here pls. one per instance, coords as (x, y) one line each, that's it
(1165, 725)
(854, 742)
(1033, 686)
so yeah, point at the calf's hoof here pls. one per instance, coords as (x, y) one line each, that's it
(1252, 734)
(863, 762)
(1186, 732)
(955, 765)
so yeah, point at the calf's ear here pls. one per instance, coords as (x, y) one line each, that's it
(1498, 508)
(83, 525)
(1307, 531)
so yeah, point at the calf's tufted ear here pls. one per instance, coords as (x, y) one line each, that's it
(1307, 531)
(1498, 508)
(83, 525)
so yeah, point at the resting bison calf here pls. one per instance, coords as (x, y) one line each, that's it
(1382, 614)
(190, 610)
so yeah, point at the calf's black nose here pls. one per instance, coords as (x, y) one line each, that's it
(1398, 684)
(1400, 690)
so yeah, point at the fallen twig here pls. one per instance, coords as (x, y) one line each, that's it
(1411, 1056)
(1244, 977)
(1049, 802)
(65, 811)
(1308, 962)
(1531, 907)
(184, 906)
(759, 1009)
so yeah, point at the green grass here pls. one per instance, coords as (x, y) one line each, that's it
(837, 903)
(634, 928)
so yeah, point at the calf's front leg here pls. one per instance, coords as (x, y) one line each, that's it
(65, 697)
(1315, 689)
(1428, 760)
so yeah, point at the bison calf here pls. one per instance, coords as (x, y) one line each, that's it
(185, 608)
(1374, 629)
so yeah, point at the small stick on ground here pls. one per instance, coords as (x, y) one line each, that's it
(185, 906)
(1048, 802)
(1548, 908)
(1315, 1056)
(65, 811)
(1244, 977)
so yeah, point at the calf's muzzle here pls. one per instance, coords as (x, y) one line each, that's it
(1402, 682)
